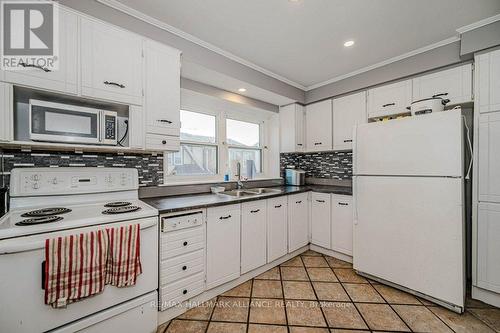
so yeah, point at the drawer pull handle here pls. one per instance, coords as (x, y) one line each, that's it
(109, 83)
(184, 268)
(343, 204)
(320, 200)
(388, 104)
(299, 144)
(185, 243)
(318, 143)
(185, 291)
(164, 142)
(255, 211)
(278, 206)
(164, 121)
(297, 202)
(347, 141)
(224, 217)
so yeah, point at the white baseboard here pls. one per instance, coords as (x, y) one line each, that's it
(331, 253)
(486, 296)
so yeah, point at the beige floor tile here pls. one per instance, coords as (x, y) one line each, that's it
(231, 309)
(330, 291)
(311, 253)
(343, 315)
(257, 328)
(298, 290)
(337, 263)
(321, 274)
(395, 296)
(490, 316)
(347, 331)
(272, 274)
(363, 292)
(304, 313)
(162, 327)
(421, 319)
(349, 275)
(381, 317)
(294, 262)
(267, 289)
(296, 329)
(187, 326)
(242, 290)
(215, 327)
(464, 323)
(267, 311)
(314, 262)
(294, 273)
(201, 312)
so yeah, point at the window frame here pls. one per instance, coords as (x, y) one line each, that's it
(260, 148)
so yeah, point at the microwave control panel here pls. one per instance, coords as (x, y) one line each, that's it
(110, 127)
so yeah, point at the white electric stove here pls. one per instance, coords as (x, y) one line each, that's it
(51, 202)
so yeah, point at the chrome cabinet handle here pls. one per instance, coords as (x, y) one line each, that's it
(388, 104)
(255, 211)
(164, 121)
(343, 204)
(46, 70)
(224, 217)
(109, 83)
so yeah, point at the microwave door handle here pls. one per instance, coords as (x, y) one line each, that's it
(99, 126)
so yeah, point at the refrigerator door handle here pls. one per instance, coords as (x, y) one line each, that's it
(354, 203)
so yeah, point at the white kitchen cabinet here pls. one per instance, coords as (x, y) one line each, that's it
(319, 126)
(488, 247)
(277, 240)
(487, 85)
(342, 224)
(389, 99)
(64, 79)
(6, 112)
(253, 235)
(320, 219)
(298, 221)
(136, 127)
(489, 157)
(162, 89)
(292, 128)
(111, 63)
(454, 84)
(223, 244)
(348, 111)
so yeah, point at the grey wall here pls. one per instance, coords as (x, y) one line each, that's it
(480, 38)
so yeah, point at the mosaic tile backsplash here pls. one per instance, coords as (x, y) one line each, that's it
(149, 166)
(330, 165)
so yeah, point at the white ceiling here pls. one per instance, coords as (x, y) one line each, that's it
(303, 41)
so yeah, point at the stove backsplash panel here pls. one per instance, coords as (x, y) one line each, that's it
(329, 165)
(149, 166)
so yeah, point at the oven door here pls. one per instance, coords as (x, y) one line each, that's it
(22, 307)
(56, 122)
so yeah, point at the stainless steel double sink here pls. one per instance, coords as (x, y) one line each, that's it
(251, 192)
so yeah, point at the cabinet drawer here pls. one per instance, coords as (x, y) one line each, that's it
(182, 266)
(172, 223)
(181, 242)
(162, 142)
(181, 290)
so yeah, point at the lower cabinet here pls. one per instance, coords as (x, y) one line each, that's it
(320, 219)
(342, 224)
(277, 240)
(223, 244)
(298, 221)
(488, 247)
(253, 235)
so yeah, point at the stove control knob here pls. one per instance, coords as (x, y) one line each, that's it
(36, 177)
(36, 186)
(54, 181)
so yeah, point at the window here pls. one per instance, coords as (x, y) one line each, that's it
(244, 145)
(198, 149)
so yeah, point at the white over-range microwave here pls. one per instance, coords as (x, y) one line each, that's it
(56, 122)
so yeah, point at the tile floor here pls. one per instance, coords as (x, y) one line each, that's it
(313, 293)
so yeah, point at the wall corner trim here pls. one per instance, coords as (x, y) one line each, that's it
(479, 24)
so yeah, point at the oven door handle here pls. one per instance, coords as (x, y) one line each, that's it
(15, 245)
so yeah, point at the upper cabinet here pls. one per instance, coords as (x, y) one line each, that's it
(454, 84)
(292, 128)
(488, 162)
(111, 63)
(348, 111)
(65, 78)
(319, 126)
(488, 81)
(389, 99)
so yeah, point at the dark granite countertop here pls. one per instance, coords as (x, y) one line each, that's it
(170, 204)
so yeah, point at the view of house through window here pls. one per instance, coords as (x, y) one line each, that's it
(244, 144)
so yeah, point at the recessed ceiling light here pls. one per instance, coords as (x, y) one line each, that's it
(349, 43)
(242, 90)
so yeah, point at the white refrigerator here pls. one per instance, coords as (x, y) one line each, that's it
(409, 205)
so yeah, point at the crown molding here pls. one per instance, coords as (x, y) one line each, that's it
(164, 26)
(479, 24)
(386, 62)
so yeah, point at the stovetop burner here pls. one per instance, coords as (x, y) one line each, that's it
(40, 220)
(47, 212)
(121, 210)
(118, 204)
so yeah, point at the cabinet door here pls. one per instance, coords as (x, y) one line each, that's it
(298, 221)
(489, 157)
(111, 63)
(277, 240)
(292, 131)
(389, 99)
(223, 244)
(6, 112)
(488, 247)
(319, 126)
(488, 81)
(136, 127)
(162, 89)
(64, 79)
(347, 112)
(320, 219)
(253, 235)
(342, 223)
(454, 84)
